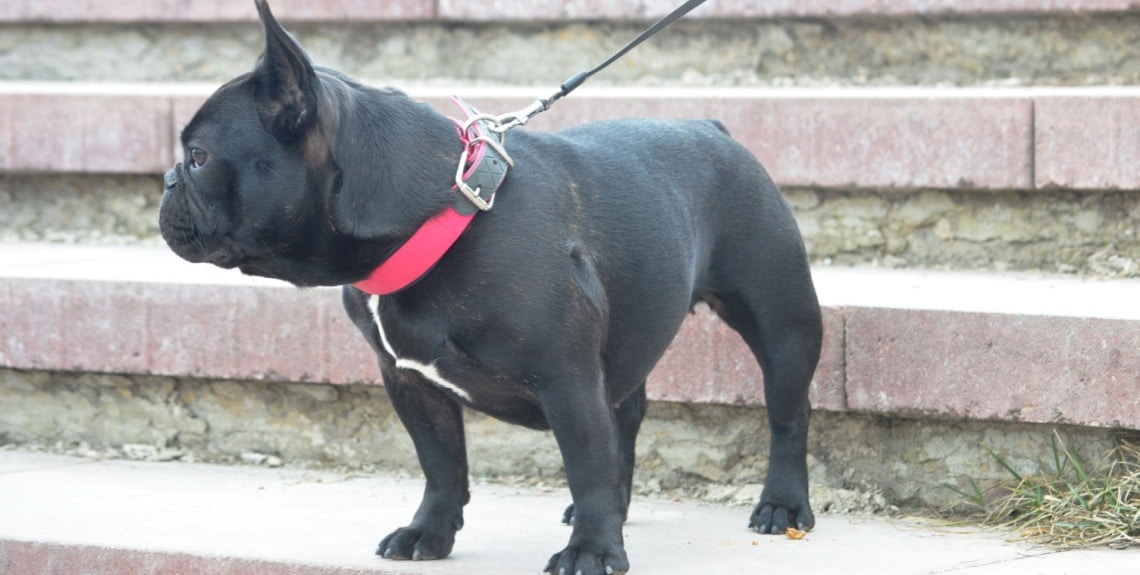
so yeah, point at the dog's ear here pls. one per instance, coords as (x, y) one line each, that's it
(286, 83)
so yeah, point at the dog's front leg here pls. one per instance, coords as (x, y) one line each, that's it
(435, 423)
(583, 424)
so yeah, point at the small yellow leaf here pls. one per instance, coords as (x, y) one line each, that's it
(794, 533)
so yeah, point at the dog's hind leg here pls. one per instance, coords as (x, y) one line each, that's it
(782, 327)
(761, 287)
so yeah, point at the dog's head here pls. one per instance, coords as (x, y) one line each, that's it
(299, 173)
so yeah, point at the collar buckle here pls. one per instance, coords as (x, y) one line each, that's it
(484, 163)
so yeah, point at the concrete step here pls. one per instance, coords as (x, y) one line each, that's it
(994, 139)
(71, 516)
(1002, 347)
(526, 10)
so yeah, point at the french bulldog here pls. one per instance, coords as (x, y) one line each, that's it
(548, 310)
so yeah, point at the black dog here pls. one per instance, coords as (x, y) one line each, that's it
(550, 309)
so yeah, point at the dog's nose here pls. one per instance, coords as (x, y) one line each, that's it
(171, 178)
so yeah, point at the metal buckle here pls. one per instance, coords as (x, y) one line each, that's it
(472, 195)
(469, 128)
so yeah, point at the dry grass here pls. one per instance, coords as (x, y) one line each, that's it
(1070, 508)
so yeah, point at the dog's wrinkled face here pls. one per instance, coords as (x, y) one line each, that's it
(248, 192)
(273, 182)
(237, 186)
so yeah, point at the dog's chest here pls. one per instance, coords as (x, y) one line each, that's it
(425, 368)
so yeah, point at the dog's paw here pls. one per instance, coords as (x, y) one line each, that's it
(417, 544)
(588, 559)
(775, 518)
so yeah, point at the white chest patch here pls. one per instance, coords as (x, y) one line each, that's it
(425, 369)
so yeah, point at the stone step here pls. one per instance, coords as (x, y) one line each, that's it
(526, 10)
(70, 516)
(824, 42)
(964, 345)
(905, 138)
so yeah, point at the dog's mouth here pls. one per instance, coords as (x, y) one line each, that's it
(198, 234)
(191, 230)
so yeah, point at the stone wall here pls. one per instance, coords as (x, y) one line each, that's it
(1086, 49)
(1086, 233)
(858, 462)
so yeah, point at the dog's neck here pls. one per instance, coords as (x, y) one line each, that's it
(482, 168)
(396, 161)
(379, 166)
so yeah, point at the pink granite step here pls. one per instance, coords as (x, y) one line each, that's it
(530, 10)
(1076, 138)
(1007, 347)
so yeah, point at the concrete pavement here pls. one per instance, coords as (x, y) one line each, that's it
(63, 515)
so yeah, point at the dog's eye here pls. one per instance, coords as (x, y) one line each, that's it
(198, 157)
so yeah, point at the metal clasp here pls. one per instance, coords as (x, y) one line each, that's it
(471, 194)
(496, 142)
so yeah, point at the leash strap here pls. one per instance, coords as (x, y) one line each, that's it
(482, 168)
(577, 79)
(508, 121)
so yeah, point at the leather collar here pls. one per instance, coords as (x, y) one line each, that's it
(482, 169)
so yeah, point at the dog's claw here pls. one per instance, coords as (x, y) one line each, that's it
(416, 544)
(773, 518)
(592, 560)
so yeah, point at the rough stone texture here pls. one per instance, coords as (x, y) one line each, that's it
(1009, 50)
(89, 209)
(1094, 233)
(993, 366)
(1084, 233)
(681, 446)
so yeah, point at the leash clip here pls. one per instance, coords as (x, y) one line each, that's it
(483, 142)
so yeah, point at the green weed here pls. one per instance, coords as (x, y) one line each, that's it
(1069, 507)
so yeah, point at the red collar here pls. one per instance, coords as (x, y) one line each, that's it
(483, 167)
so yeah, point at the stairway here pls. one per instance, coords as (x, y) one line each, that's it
(966, 175)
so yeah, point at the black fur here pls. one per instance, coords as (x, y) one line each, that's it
(552, 308)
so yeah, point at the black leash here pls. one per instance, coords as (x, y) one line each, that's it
(508, 121)
(495, 128)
